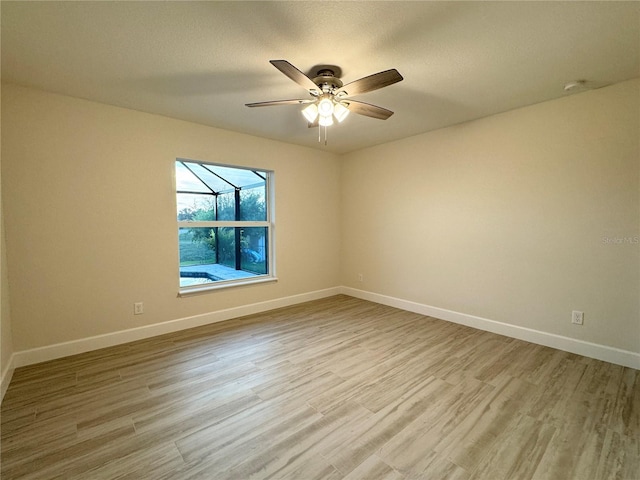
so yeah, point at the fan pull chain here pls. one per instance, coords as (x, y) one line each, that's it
(320, 134)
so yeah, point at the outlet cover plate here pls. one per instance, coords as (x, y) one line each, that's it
(577, 317)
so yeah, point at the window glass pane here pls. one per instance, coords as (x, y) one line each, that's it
(206, 175)
(196, 208)
(194, 176)
(253, 206)
(198, 185)
(254, 250)
(186, 181)
(197, 246)
(227, 246)
(209, 255)
(227, 207)
(239, 177)
(187, 281)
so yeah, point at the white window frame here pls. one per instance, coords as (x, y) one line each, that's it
(269, 224)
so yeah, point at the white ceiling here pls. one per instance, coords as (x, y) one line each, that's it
(202, 61)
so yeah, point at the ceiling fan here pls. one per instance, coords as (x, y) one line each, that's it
(330, 98)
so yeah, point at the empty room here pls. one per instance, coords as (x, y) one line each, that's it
(320, 240)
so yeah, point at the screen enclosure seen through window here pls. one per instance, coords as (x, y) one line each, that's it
(225, 228)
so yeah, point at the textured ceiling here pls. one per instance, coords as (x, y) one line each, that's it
(202, 61)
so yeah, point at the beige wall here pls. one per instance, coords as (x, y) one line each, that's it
(90, 216)
(503, 218)
(508, 217)
(6, 340)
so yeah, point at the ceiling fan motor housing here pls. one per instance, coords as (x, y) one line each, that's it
(327, 81)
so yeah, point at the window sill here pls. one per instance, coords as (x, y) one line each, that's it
(186, 292)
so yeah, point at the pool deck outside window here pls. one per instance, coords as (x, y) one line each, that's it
(201, 274)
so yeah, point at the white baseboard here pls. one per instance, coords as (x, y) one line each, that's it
(5, 380)
(580, 347)
(52, 352)
(59, 350)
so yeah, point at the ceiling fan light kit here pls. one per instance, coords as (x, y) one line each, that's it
(310, 112)
(330, 97)
(327, 109)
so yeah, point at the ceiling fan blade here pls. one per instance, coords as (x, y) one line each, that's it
(368, 110)
(370, 83)
(279, 102)
(315, 123)
(294, 74)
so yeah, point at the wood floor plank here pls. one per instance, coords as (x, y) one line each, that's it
(279, 458)
(337, 388)
(384, 425)
(471, 437)
(574, 451)
(447, 410)
(146, 464)
(373, 467)
(59, 459)
(519, 457)
(249, 431)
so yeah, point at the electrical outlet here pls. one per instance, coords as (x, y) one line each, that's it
(138, 308)
(360, 277)
(577, 317)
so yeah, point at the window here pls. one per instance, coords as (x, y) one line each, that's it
(225, 225)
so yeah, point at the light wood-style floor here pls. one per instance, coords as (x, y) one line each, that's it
(338, 388)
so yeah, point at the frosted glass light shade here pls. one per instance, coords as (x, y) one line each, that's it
(310, 112)
(340, 112)
(325, 107)
(326, 121)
